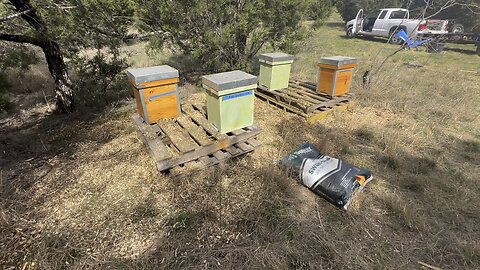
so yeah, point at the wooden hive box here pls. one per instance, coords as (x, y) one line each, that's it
(335, 76)
(275, 70)
(230, 97)
(156, 92)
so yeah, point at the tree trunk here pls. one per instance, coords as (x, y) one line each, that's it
(58, 70)
(53, 55)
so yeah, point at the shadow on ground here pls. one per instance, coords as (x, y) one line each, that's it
(34, 144)
(469, 52)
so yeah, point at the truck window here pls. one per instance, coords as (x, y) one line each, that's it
(382, 16)
(399, 14)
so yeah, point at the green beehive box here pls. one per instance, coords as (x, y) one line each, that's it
(230, 98)
(275, 70)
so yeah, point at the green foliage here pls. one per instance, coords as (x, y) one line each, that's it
(98, 25)
(347, 8)
(21, 57)
(13, 56)
(82, 27)
(319, 11)
(98, 74)
(224, 34)
(87, 24)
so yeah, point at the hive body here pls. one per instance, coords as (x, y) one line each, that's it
(156, 92)
(335, 76)
(230, 98)
(275, 70)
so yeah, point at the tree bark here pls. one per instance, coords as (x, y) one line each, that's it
(56, 65)
(11, 17)
(58, 70)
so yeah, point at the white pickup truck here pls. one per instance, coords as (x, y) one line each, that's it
(386, 22)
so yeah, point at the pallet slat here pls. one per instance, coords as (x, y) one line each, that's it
(190, 142)
(253, 142)
(208, 161)
(310, 93)
(199, 108)
(329, 104)
(207, 150)
(195, 131)
(305, 97)
(178, 136)
(157, 149)
(221, 156)
(200, 119)
(278, 96)
(233, 150)
(244, 146)
(300, 93)
(280, 103)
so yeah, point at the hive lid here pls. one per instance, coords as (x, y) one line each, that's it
(276, 57)
(229, 80)
(338, 60)
(149, 74)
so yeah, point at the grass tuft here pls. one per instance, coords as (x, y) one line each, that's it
(472, 146)
(364, 134)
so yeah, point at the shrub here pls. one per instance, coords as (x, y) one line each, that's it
(223, 34)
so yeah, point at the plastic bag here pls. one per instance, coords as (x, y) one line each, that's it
(331, 178)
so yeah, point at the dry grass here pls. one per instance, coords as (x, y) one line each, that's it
(80, 191)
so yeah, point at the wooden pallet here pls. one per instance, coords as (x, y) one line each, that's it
(301, 98)
(190, 142)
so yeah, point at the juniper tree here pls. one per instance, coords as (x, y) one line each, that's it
(224, 34)
(63, 30)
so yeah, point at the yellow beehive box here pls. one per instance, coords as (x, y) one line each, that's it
(156, 92)
(335, 76)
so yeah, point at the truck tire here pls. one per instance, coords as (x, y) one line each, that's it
(457, 29)
(349, 32)
(393, 36)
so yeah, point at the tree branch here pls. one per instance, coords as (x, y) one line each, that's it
(21, 39)
(16, 15)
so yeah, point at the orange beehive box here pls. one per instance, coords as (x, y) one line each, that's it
(156, 92)
(335, 75)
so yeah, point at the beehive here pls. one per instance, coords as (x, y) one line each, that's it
(230, 98)
(156, 92)
(275, 70)
(335, 75)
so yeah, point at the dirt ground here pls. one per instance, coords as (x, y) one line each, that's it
(80, 191)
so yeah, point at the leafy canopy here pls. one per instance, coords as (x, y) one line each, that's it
(90, 34)
(224, 34)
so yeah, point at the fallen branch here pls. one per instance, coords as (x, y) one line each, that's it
(428, 266)
(16, 15)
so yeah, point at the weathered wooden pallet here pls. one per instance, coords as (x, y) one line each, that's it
(301, 98)
(190, 142)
